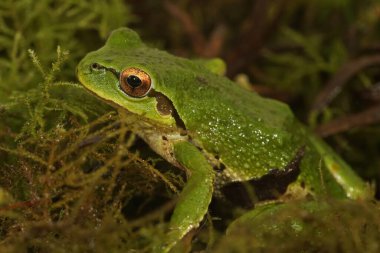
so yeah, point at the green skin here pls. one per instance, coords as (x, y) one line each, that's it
(199, 120)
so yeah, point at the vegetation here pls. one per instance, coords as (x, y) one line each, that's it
(75, 178)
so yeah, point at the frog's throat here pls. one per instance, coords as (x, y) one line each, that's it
(162, 143)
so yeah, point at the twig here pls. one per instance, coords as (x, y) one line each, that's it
(201, 46)
(335, 85)
(367, 117)
(21, 204)
(215, 43)
(196, 37)
(257, 28)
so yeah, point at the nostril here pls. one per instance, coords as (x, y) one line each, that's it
(96, 66)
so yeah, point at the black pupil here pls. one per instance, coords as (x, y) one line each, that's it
(133, 81)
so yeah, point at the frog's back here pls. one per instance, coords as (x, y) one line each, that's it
(249, 134)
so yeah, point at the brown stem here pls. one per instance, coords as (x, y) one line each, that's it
(344, 74)
(257, 27)
(367, 117)
(215, 42)
(201, 46)
(22, 204)
(197, 39)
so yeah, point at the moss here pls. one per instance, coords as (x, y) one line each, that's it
(75, 178)
(316, 226)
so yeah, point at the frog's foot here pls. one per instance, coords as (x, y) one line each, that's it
(353, 185)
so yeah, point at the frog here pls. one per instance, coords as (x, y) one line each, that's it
(219, 133)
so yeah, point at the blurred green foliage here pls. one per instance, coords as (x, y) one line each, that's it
(42, 25)
(74, 177)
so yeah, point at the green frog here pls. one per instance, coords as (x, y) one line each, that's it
(219, 133)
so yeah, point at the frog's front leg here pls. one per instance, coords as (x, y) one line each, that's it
(195, 197)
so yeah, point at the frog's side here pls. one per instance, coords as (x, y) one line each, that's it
(203, 122)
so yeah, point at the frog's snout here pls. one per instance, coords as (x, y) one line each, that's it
(82, 68)
(79, 69)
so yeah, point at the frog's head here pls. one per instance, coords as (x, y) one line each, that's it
(122, 73)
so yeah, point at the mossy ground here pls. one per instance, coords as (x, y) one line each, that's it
(75, 178)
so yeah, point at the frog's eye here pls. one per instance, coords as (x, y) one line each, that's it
(135, 82)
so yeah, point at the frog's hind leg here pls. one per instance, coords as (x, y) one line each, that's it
(352, 184)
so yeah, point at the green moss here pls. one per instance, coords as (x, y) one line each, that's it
(74, 177)
(316, 226)
(70, 172)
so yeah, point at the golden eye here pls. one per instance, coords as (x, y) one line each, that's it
(135, 82)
